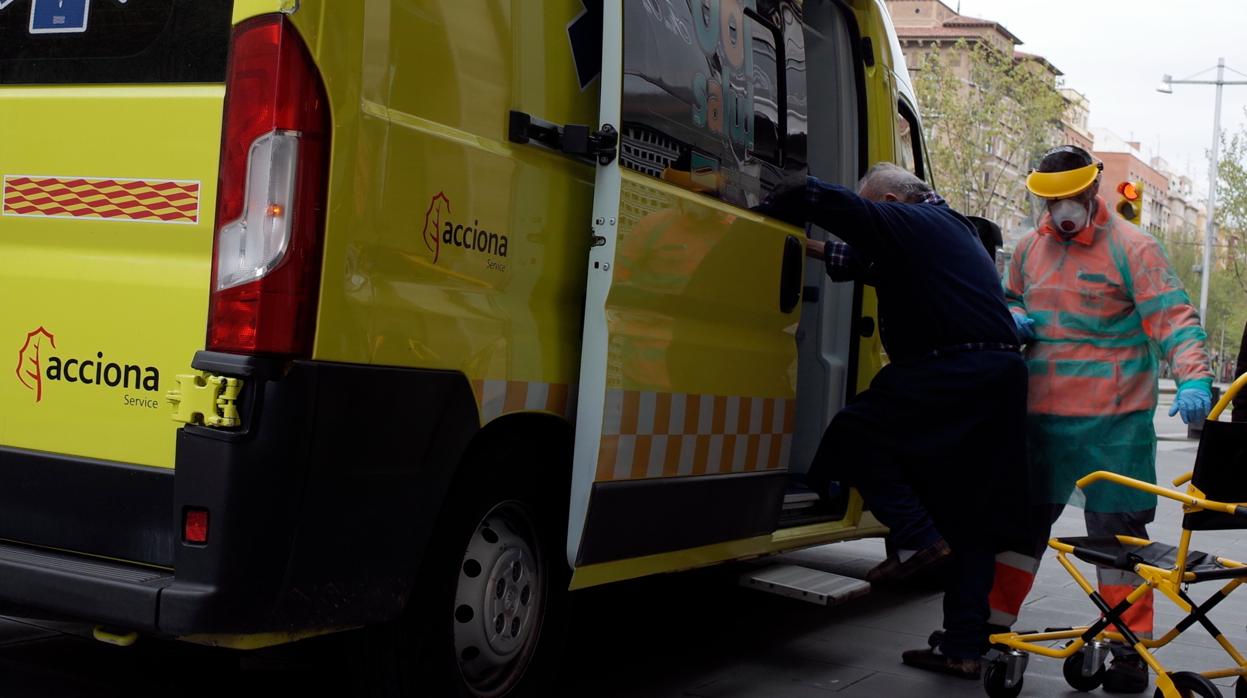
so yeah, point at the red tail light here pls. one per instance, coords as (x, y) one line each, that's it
(271, 198)
(195, 526)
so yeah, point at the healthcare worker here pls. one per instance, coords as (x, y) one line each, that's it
(1098, 304)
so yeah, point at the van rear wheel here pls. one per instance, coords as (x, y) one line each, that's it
(486, 618)
(500, 600)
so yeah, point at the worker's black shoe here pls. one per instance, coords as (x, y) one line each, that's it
(1126, 674)
(933, 660)
(894, 571)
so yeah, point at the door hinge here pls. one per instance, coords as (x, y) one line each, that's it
(207, 400)
(573, 139)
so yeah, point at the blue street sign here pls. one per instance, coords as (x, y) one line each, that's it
(59, 16)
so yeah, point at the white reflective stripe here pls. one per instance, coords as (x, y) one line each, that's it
(705, 417)
(676, 423)
(623, 462)
(997, 617)
(755, 415)
(657, 456)
(538, 397)
(645, 413)
(732, 415)
(1018, 561)
(739, 454)
(493, 398)
(716, 454)
(688, 451)
(613, 413)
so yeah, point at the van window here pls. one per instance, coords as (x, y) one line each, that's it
(705, 104)
(154, 41)
(908, 140)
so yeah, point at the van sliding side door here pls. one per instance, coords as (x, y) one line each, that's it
(688, 368)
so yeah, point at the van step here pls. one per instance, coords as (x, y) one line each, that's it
(798, 501)
(805, 584)
(69, 564)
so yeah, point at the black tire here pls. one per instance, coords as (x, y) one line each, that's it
(1193, 685)
(504, 514)
(935, 639)
(1240, 688)
(1074, 676)
(994, 681)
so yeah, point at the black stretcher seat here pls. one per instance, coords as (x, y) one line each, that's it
(1110, 552)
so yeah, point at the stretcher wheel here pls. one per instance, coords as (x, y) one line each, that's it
(994, 681)
(1194, 685)
(936, 639)
(1240, 688)
(1074, 676)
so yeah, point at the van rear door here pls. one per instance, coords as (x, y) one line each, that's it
(111, 130)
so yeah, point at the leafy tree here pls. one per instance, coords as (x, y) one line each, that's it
(1227, 287)
(1227, 292)
(988, 118)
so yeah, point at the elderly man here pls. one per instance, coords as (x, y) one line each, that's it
(936, 439)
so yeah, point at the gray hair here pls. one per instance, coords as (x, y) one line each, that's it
(887, 178)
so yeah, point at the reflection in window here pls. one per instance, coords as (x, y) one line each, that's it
(766, 97)
(908, 140)
(905, 143)
(705, 105)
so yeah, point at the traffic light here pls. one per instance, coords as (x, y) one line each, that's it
(1130, 205)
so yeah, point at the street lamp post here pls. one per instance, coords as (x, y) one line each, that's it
(1167, 83)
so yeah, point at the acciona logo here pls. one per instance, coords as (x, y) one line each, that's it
(38, 364)
(440, 229)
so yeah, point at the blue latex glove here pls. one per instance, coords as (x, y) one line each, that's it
(1025, 327)
(1194, 403)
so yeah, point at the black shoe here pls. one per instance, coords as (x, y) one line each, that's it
(1126, 674)
(933, 660)
(893, 571)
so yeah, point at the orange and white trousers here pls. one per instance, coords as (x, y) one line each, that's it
(1015, 571)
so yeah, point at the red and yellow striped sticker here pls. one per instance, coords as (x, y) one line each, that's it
(145, 200)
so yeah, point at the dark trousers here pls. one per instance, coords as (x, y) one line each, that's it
(946, 436)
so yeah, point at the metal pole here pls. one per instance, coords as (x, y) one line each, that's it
(1212, 199)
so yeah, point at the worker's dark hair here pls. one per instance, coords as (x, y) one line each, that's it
(1064, 158)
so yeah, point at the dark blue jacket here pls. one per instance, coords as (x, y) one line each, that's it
(937, 287)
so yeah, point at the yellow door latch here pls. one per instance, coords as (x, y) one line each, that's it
(207, 400)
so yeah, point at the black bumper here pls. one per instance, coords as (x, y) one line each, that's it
(320, 506)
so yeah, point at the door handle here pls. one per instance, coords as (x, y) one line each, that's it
(790, 274)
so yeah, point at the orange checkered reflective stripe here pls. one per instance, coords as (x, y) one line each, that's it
(647, 434)
(149, 201)
(495, 398)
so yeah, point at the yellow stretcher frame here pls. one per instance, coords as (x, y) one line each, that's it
(1168, 582)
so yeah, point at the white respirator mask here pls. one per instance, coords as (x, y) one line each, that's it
(1069, 216)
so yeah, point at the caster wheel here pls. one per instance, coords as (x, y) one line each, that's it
(1192, 685)
(1240, 688)
(995, 680)
(1078, 681)
(936, 639)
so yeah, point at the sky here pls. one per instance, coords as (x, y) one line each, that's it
(1115, 52)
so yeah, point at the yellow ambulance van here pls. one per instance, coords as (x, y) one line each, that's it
(415, 315)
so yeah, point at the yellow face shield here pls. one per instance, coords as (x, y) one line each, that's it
(1060, 185)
